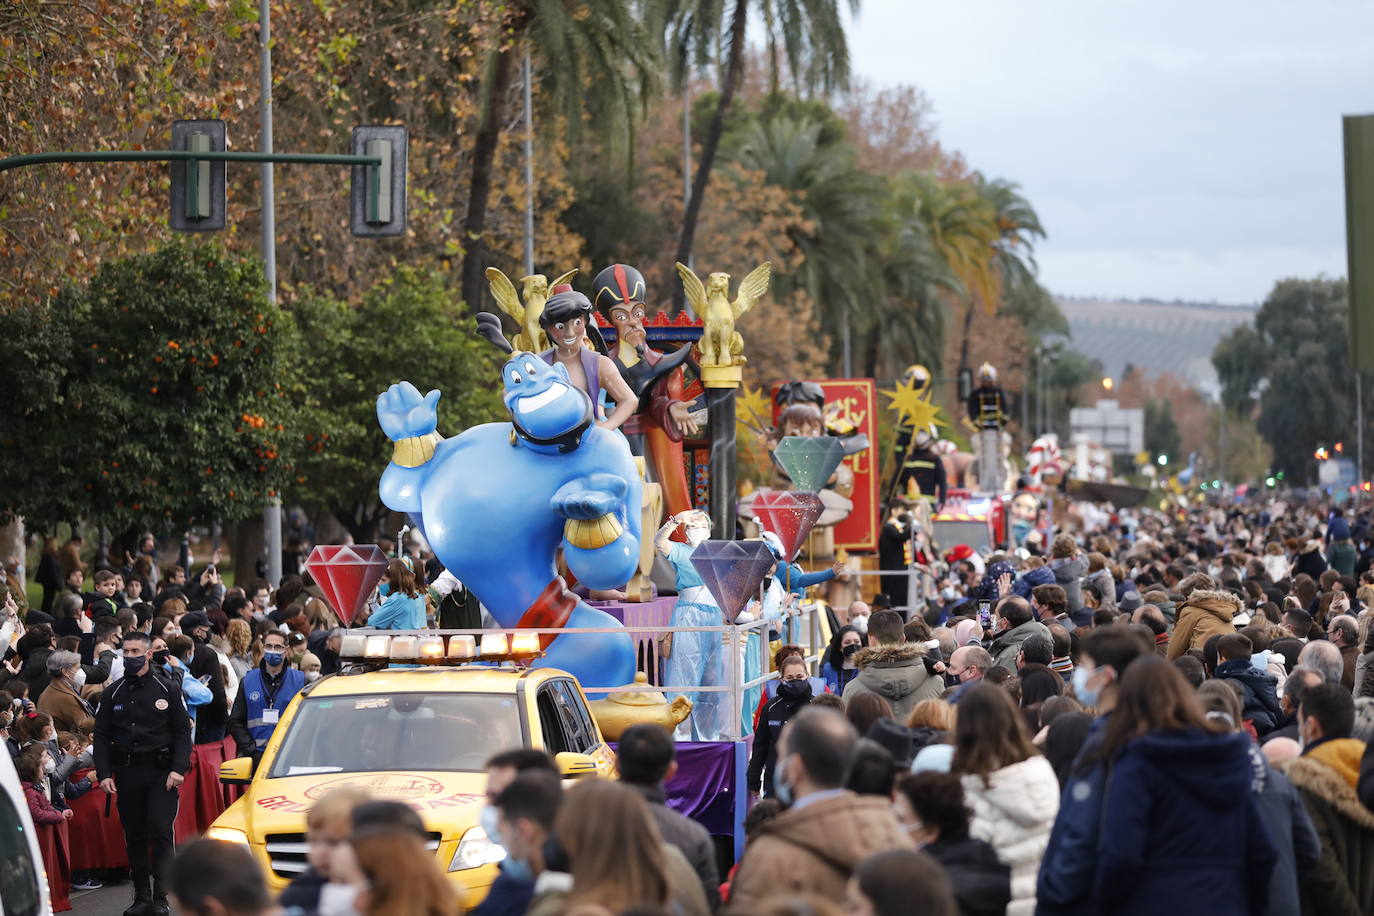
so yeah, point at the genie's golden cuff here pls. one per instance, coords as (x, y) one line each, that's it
(589, 534)
(415, 451)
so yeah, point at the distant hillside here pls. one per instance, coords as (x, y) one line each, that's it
(1158, 337)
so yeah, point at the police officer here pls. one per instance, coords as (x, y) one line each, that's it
(263, 693)
(142, 753)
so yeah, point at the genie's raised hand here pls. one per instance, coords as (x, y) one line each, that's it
(404, 413)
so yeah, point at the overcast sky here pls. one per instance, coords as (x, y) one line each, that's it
(1172, 149)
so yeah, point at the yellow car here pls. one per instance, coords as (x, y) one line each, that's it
(417, 735)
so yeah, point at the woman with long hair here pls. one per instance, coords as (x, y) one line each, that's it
(1011, 790)
(400, 876)
(616, 854)
(838, 667)
(1184, 828)
(402, 607)
(239, 636)
(865, 709)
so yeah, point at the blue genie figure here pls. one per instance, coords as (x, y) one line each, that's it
(497, 501)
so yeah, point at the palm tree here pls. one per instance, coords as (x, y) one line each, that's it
(593, 63)
(809, 34)
(843, 215)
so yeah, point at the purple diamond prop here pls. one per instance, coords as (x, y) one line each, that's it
(733, 571)
(809, 460)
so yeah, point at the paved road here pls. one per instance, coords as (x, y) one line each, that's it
(107, 901)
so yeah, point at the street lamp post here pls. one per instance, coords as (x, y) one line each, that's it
(271, 516)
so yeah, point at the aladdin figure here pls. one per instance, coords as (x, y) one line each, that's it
(566, 320)
(662, 419)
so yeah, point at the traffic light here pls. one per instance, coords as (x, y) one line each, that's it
(377, 197)
(198, 185)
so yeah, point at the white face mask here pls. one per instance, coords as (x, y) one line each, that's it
(49, 765)
(311, 676)
(696, 535)
(79, 679)
(338, 900)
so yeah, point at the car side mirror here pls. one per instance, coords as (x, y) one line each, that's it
(572, 766)
(236, 772)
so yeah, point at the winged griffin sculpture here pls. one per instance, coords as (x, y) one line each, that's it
(531, 338)
(721, 344)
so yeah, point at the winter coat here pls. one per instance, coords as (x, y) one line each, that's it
(1259, 694)
(1205, 614)
(1290, 829)
(1106, 585)
(764, 758)
(1364, 675)
(1014, 809)
(836, 681)
(815, 848)
(1041, 575)
(1006, 646)
(70, 713)
(1184, 832)
(40, 806)
(897, 674)
(1310, 561)
(982, 884)
(1342, 882)
(1275, 567)
(689, 837)
(1068, 573)
(1342, 556)
(1065, 883)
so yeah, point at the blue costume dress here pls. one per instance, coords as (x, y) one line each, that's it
(797, 581)
(696, 657)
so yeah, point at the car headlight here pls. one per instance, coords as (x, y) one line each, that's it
(476, 849)
(227, 834)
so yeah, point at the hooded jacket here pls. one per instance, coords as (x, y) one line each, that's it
(1068, 573)
(982, 884)
(1205, 614)
(1005, 646)
(1106, 585)
(1183, 832)
(1259, 692)
(897, 674)
(1013, 809)
(1343, 879)
(1290, 829)
(815, 848)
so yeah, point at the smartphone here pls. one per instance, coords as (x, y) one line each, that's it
(985, 611)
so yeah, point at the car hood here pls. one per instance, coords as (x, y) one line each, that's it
(448, 803)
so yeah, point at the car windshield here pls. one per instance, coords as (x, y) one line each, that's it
(397, 731)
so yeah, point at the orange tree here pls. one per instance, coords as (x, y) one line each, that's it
(154, 395)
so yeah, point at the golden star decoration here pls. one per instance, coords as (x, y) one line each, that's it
(913, 408)
(753, 411)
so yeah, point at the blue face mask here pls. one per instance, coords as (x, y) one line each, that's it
(273, 659)
(781, 789)
(1260, 661)
(489, 819)
(384, 589)
(132, 666)
(1086, 695)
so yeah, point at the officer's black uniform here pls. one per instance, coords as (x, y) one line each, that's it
(142, 733)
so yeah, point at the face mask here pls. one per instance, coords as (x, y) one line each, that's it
(338, 900)
(781, 789)
(518, 869)
(132, 666)
(850, 649)
(794, 690)
(384, 589)
(79, 679)
(273, 659)
(311, 677)
(1260, 661)
(489, 819)
(947, 593)
(697, 535)
(1086, 695)
(859, 623)
(160, 656)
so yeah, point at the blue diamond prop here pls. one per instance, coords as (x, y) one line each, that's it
(733, 571)
(809, 460)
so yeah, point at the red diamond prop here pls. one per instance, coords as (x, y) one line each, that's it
(790, 514)
(346, 574)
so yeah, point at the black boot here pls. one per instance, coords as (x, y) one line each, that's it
(143, 897)
(159, 906)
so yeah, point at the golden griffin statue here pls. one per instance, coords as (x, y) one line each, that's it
(531, 338)
(721, 344)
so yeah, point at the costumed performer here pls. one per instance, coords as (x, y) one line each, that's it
(695, 659)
